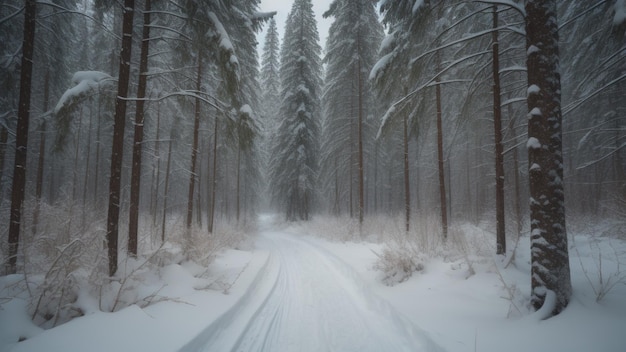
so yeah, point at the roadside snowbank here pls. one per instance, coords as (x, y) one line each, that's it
(189, 302)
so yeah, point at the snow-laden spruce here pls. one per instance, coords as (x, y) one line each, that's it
(351, 50)
(294, 163)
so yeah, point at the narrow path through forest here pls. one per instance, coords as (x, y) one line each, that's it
(307, 299)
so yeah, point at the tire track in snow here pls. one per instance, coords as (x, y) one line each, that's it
(310, 300)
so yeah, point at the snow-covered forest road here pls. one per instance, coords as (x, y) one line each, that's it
(307, 299)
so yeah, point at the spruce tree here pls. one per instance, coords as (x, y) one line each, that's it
(294, 158)
(269, 75)
(351, 51)
(270, 93)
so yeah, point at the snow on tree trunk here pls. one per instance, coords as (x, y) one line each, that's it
(549, 251)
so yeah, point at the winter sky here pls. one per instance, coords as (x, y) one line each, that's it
(282, 7)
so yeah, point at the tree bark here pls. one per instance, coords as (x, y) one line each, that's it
(194, 147)
(156, 169)
(360, 137)
(238, 186)
(118, 136)
(42, 153)
(407, 190)
(135, 179)
(166, 187)
(96, 196)
(440, 163)
(21, 134)
(4, 138)
(214, 178)
(550, 272)
(440, 157)
(497, 127)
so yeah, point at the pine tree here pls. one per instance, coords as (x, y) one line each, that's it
(294, 160)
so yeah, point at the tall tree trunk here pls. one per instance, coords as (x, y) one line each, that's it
(516, 177)
(497, 128)
(42, 153)
(417, 205)
(21, 134)
(238, 182)
(166, 187)
(156, 169)
(96, 197)
(549, 250)
(407, 190)
(4, 138)
(119, 124)
(360, 136)
(214, 178)
(194, 147)
(351, 175)
(77, 149)
(208, 186)
(83, 218)
(337, 205)
(135, 178)
(376, 150)
(440, 157)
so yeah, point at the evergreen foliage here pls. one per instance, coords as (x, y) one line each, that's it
(351, 51)
(294, 163)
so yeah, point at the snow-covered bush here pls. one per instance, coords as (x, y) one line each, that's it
(397, 264)
(63, 262)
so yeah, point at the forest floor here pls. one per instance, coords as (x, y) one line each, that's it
(296, 290)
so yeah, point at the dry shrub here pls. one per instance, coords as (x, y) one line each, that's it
(397, 264)
(64, 264)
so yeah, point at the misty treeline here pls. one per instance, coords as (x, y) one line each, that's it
(128, 121)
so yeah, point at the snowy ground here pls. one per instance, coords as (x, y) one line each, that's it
(297, 292)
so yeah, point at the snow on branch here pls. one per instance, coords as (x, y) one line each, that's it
(583, 13)
(202, 96)
(467, 38)
(224, 39)
(263, 16)
(581, 101)
(432, 79)
(607, 155)
(380, 65)
(84, 83)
